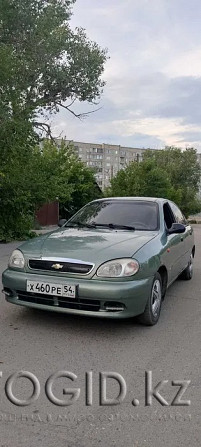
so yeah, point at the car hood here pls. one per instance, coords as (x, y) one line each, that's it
(96, 245)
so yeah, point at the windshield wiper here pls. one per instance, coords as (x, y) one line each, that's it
(113, 226)
(95, 225)
(80, 224)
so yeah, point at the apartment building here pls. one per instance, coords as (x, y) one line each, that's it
(106, 159)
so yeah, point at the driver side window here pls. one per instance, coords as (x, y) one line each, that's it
(168, 215)
(178, 214)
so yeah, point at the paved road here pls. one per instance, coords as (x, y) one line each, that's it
(42, 343)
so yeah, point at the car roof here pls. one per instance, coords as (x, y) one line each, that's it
(147, 199)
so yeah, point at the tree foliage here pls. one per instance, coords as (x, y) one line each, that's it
(170, 173)
(44, 62)
(44, 65)
(48, 173)
(60, 173)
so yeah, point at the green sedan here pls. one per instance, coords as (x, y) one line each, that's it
(115, 258)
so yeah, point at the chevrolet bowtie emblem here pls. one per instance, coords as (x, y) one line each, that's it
(57, 266)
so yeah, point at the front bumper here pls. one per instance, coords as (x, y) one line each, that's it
(131, 295)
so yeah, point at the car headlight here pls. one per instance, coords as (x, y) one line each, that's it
(118, 268)
(16, 260)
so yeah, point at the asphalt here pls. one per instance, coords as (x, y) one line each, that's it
(43, 343)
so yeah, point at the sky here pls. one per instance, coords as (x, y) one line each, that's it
(152, 96)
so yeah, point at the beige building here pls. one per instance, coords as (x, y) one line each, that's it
(106, 159)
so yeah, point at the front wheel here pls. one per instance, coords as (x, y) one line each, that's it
(152, 310)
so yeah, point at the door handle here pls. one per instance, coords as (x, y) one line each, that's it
(182, 238)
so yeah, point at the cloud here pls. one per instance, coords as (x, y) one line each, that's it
(187, 63)
(153, 90)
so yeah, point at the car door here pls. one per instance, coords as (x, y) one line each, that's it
(174, 245)
(186, 237)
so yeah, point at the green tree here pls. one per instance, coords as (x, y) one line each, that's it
(140, 179)
(16, 205)
(184, 172)
(48, 173)
(43, 62)
(45, 65)
(62, 175)
(181, 166)
(170, 173)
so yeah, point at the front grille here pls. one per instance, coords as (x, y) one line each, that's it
(62, 267)
(59, 301)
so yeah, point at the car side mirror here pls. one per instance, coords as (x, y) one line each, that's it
(176, 228)
(61, 222)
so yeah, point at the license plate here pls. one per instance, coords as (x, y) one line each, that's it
(47, 288)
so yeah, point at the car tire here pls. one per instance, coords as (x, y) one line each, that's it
(152, 310)
(187, 274)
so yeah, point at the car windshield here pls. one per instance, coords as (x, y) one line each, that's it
(127, 214)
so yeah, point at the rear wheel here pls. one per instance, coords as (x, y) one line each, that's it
(188, 272)
(152, 310)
